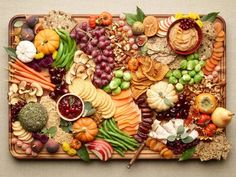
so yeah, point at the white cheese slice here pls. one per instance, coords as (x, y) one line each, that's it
(169, 127)
(194, 134)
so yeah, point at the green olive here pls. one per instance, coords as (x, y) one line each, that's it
(202, 63)
(183, 64)
(116, 91)
(118, 73)
(107, 89)
(191, 82)
(125, 85)
(195, 62)
(168, 74)
(190, 65)
(186, 77)
(197, 68)
(192, 73)
(182, 81)
(201, 73)
(184, 72)
(190, 57)
(172, 80)
(197, 78)
(196, 56)
(179, 87)
(177, 74)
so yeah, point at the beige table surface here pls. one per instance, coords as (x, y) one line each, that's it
(9, 167)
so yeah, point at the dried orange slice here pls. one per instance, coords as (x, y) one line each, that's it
(150, 26)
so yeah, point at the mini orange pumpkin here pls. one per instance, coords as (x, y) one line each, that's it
(85, 129)
(76, 144)
(47, 41)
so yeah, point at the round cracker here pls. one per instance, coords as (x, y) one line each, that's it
(106, 102)
(97, 101)
(93, 94)
(108, 109)
(110, 114)
(87, 89)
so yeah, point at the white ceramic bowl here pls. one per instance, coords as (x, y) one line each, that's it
(65, 118)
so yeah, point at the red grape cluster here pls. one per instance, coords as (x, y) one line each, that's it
(187, 23)
(56, 75)
(180, 110)
(97, 44)
(178, 147)
(15, 109)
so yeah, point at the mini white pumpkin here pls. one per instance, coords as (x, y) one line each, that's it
(25, 51)
(161, 96)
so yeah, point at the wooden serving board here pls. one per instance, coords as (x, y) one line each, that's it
(146, 153)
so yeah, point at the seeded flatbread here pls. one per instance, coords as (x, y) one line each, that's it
(208, 31)
(206, 49)
(158, 49)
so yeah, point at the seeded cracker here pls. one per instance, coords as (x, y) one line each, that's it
(218, 148)
(159, 50)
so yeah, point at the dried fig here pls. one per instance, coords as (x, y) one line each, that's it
(32, 21)
(27, 34)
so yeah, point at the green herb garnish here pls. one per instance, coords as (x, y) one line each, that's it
(132, 18)
(83, 153)
(187, 154)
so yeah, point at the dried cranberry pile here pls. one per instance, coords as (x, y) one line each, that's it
(178, 147)
(70, 106)
(180, 110)
(15, 109)
(187, 23)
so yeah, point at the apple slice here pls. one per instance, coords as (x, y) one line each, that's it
(105, 143)
(172, 19)
(98, 150)
(105, 149)
(102, 149)
(163, 25)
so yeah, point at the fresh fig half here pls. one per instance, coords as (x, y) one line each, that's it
(141, 40)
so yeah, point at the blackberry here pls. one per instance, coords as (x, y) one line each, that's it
(178, 147)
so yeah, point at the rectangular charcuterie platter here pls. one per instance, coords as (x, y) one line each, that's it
(157, 76)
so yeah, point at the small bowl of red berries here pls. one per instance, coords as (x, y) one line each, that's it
(70, 107)
(184, 36)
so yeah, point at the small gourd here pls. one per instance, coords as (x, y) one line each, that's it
(161, 96)
(25, 51)
(47, 41)
(85, 129)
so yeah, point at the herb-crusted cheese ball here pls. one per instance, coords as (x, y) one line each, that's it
(33, 117)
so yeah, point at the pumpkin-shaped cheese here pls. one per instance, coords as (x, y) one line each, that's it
(161, 96)
(25, 51)
(46, 41)
(85, 129)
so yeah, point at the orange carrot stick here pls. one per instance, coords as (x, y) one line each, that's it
(30, 69)
(19, 68)
(31, 81)
(15, 66)
(16, 81)
(30, 76)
